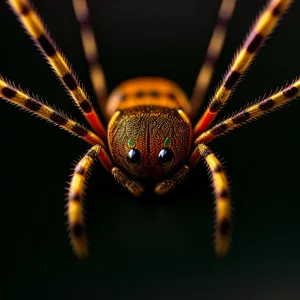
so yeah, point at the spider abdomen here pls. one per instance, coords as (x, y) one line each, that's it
(147, 91)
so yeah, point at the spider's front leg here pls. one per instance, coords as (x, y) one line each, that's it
(222, 205)
(76, 191)
(75, 202)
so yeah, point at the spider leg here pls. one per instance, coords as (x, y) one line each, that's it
(132, 186)
(168, 184)
(261, 30)
(35, 28)
(91, 52)
(213, 52)
(76, 191)
(222, 202)
(15, 96)
(268, 104)
(75, 196)
(75, 202)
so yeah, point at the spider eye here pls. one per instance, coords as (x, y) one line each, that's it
(134, 157)
(165, 157)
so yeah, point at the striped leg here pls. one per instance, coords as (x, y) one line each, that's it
(262, 28)
(76, 192)
(167, 185)
(37, 31)
(14, 96)
(75, 202)
(252, 112)
(212, 55)
(223, 206)
(91, 52)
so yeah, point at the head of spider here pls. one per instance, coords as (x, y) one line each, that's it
(150, 143)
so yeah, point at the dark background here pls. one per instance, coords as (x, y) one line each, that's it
(150, 248)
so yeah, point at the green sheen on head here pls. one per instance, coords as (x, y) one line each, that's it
(131, 143)
(167, 141)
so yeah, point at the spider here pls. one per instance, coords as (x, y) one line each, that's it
(149, 137)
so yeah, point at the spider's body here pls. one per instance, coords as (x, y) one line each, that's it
(149, 121)
(150, 137)
(147, 91)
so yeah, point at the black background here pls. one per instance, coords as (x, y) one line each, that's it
(150, 248)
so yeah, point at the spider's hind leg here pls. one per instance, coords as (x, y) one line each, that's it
(36, 29)
(213, 52)
(262, 28)
(91, 53)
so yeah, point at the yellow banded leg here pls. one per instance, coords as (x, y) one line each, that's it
(15, 96)
(261, 30)
(75, 202)
(91, 52)
(212, 55)
(222, 204)
(268, 104)
(35, 28)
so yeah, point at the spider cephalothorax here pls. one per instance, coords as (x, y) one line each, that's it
(149, 142)
(150, 136)
(152, 140)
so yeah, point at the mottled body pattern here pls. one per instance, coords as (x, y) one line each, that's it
(149, 110)
(150, 139)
